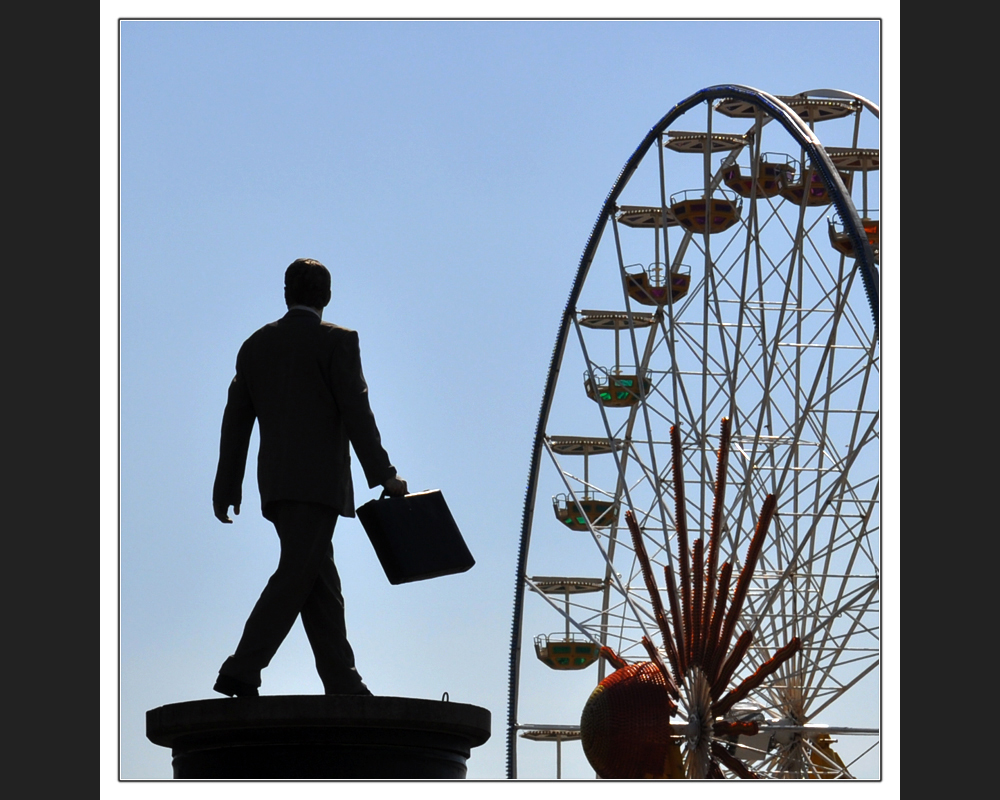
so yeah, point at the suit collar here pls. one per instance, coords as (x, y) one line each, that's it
(303, 312)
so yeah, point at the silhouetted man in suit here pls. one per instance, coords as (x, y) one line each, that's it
(301, 379)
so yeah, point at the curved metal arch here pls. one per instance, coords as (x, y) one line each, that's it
(798, 129)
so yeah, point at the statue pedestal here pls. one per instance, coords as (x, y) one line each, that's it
(319, 737)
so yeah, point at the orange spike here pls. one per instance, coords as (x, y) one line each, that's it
(719, 502)
(612, 658)
(656, 658)
(680, 520)
(654, 593)
(766, 669)
(647, 573)
(698, 575)
(722, 681)
(743, 584)
(713, 653)
(735, 727)
(680, 653)
(732, 762)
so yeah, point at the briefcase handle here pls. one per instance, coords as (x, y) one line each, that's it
(384, 495)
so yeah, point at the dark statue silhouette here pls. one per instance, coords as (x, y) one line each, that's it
(300, 378)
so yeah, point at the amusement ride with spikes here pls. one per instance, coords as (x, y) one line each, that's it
(696, 641)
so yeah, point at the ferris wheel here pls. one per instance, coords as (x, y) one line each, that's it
(714, 388)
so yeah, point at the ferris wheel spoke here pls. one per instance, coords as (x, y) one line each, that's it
(815, 712)
(789, 584)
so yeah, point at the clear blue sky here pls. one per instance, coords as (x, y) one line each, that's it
(449, 174)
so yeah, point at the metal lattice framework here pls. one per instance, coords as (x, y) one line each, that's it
(760, 305)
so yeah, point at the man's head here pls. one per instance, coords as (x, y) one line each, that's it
(307, 283)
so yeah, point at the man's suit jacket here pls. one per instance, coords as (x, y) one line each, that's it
(301, 379)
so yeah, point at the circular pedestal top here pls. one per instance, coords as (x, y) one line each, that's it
(319, 737)
(169, 725)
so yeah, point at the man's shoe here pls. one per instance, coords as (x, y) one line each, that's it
(230, 686)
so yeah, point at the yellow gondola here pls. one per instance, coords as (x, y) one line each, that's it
(648, 286)
(575, 514)
(774, 171)
(558, 652)
(700, 215)
(818, 193)
(616, 390)
(841, 240)
(565, 650)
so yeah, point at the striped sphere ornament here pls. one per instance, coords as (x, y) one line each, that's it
(625, 726)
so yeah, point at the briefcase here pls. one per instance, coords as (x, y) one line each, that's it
(415, 537)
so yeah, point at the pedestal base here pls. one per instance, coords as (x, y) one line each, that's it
(319, 737)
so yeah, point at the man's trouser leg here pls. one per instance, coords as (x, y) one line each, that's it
(323, 619)
(305, 581)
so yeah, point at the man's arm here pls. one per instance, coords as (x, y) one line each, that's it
(350, 392)
(237, 425)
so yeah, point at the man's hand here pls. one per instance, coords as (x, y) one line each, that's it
(222, 511)
(395, 487)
